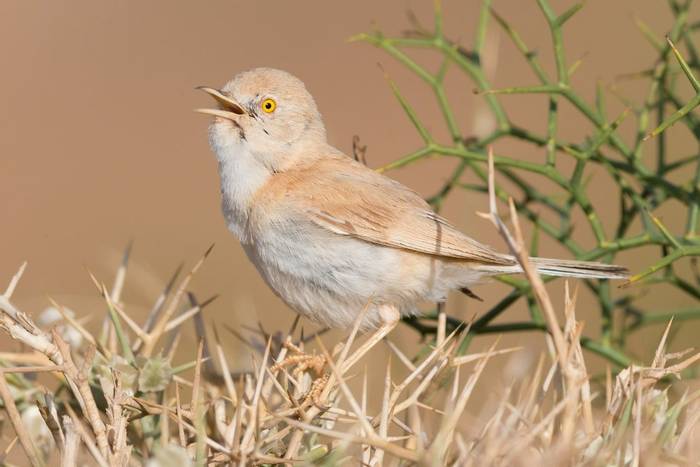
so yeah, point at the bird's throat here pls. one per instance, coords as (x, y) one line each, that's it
(242, 175)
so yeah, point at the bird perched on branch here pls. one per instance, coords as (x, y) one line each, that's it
(329, 235)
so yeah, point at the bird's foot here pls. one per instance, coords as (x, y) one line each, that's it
(300, 361)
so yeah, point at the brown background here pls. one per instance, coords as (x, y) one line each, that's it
(98, 143)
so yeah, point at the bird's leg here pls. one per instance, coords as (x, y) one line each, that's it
(442, 323)
(390, 317)
(301, 361)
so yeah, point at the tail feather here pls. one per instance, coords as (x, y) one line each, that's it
(582, 269)
(564, 268)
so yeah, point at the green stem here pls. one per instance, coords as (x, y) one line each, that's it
(555, 31)
(481, 28)
(477, 75)
(681, 314)
(665, 262)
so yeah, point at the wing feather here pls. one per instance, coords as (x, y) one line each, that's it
(347, 198)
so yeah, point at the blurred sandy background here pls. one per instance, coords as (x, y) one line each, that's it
(99, 144)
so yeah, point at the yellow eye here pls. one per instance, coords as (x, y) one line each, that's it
(268, 105)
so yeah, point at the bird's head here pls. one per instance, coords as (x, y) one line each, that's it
(267, 112)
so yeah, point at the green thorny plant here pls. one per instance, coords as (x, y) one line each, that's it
(643, 184)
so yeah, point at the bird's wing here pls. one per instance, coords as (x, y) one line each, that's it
(349, 199)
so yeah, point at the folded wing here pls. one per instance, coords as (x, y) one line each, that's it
(349, 199)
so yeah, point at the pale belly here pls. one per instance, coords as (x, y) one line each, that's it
(331, 279)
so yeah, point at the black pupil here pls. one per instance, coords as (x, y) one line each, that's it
(268, 105)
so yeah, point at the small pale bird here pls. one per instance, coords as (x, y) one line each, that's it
(332, 237)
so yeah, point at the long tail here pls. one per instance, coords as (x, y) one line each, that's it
(564, 268)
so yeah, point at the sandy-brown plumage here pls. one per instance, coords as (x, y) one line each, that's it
(346, 198)
(329, 235)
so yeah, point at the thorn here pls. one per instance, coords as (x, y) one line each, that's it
(295, 323)
(15, 280)
(206, 253)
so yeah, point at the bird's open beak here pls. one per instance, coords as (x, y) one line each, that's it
(228, 108)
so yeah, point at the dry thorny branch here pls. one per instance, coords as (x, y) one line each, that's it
(118, 403)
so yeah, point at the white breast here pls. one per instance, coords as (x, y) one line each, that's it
(241, 176)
